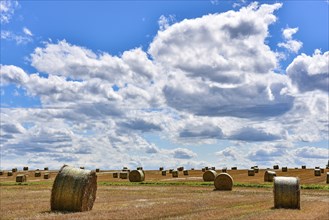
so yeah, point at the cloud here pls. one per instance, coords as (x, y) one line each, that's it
(290, 44)
(183, 153)
(19, 39)
(312, 152)
(310, 73)
(253, 134)
(7, 9)
(164, 22)
(27, 31)
(203, 132)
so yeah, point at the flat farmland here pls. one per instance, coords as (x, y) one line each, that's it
(164, 197)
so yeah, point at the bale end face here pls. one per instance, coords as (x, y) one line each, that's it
(185, 172)
(123, 175)
(20, 178)
(269, 176)
(286, 192)
(174, 173)
(136, 176)
(223, 181)
(37, 174)
(209, 175)
(164, 173)
(74, 190)
(317, 172)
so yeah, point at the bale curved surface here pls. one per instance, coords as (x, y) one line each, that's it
(286, 192)
(164, 173)
(174, 173)
(251, 172)
(269, 176)
(74, 190)
(10, 173)
(223, 181)
(317, 172)
(209, 175)
(185, 172)
(123, 175)
(136, 176)
(21, 178)
(37, 174)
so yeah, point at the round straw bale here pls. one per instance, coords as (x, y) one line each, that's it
(213, 168)
(74, 190)
(185, 172)
(304, 167)
(256, 169)
(207, 168)
(124, 168)
(203, 169)
(284, 169)
(317, 172)
(164, 173)
(97, 170)
(10, 173)
(115, 175)
(170, 170)
(192, 168)
(251, 172)
(174, 173)
(276, 167)
(136, 176)
(269, 176)
(224, 169)
(161, 168)
(46, 176)
(296, 168)
(25, 168)
(223, 181)
(139, 168)
(82, 168)
(1, 173)
(317, 168)
(286, 192)
(123, 175)
(46, 168)
(20, 178)
(209, 175)
(327, 177)
(37, 174)
(322, 170)
(180, 168)
(234, 168)
(14, 170)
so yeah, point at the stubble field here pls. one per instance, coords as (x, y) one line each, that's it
(164, 197)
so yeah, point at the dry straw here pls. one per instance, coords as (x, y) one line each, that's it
(286, 192)
(37, 174)
(223, 181)
(185, 172)
(21, 178)
(164, 173)
(327, 177)
(123, 175)
(317, 172)
(174, 173)
(46, 176)
(209, 175)
(251, 172)
(74, 190)
(136, 176)
(269, 176)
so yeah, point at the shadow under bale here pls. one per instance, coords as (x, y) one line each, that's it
(73, 190)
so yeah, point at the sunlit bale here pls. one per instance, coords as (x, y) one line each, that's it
(25, 168)
(286, 192)
(180, 168)
(276, 167)
(139, 168)
(20, 178)
(74, 190)
(37, 174)
(284, 169)
(10, 173)
(207, 168)
(14, 170)
(185, 172)
(115, 175)
(123, 175)
(171, 170)
(317, 172)
(213, 168)
(136, 176)
(164, 173)
(269, 176)
(327, 177)
(251, 172)
(256, 169)
(223, 181)
(209, 175)
(224, 169)
(174, 173)
(46, 176)
(322, 170)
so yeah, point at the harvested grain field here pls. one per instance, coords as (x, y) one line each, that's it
(164, 197)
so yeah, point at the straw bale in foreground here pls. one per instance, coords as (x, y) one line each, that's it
(74, 190)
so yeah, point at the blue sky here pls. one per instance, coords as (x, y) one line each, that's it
(197, 83)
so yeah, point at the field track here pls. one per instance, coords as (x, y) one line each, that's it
(164, 197)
